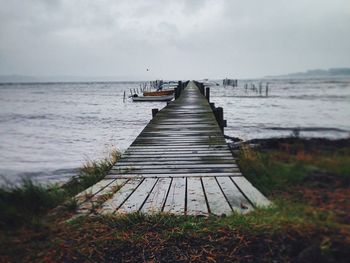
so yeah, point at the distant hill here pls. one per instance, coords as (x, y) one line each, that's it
(332, 72)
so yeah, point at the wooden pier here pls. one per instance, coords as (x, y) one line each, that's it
(179, 164)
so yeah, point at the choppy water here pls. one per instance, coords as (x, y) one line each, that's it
(47, 131)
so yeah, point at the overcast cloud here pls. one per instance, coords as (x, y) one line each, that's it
(174, 39)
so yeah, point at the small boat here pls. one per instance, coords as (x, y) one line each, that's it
(169, 85)
(158, 93)
(153, 98)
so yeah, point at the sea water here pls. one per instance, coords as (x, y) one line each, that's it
(48, 130)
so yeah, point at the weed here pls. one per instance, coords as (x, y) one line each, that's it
(91, 173)
(20, 204)
(28, 202)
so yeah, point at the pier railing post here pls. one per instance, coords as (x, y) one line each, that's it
(201, 88)
(154, 112)
(212, 106)
(176, 92)
(207, 93)
(220, 117)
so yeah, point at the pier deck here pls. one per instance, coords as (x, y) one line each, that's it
(179, 164)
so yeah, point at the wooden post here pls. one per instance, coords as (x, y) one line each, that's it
(207, 93)
(179, 84)
(124, 96)
(212, 106)
(201, 88)
(179, 88)
(176, 93)
(267, 89)
(220, 117)
(260, 87)
(154, 112)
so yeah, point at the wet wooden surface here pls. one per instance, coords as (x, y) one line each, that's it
(179, 164)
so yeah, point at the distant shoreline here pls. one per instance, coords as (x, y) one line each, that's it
(316, 73)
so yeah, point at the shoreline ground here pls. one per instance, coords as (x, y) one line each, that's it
(308, 181)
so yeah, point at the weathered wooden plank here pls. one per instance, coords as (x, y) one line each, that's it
(135, 166)
(111, 205)
(177, 158)
(148, 152)
(180, 147)
(234, 196)
(182, 155)
(257, 198)
(177, 154)
(175, 144)
(172, 166)
(183, 147)
(138, 197)
(156, 175)
(93, 204)
(175, 202)
(92, 190)
(156, 199)
(151, 141)
(146, 161)
(196, 203)
(174, 135)
(173, 170)
(218, 204)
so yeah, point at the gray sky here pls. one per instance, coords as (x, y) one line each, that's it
(175, 39)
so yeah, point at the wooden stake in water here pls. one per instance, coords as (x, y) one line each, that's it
(267, 89)
(260, 87)
(124, 96)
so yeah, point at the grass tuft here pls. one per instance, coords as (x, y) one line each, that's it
(91, 173)
(27, 202)
(22, 204)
